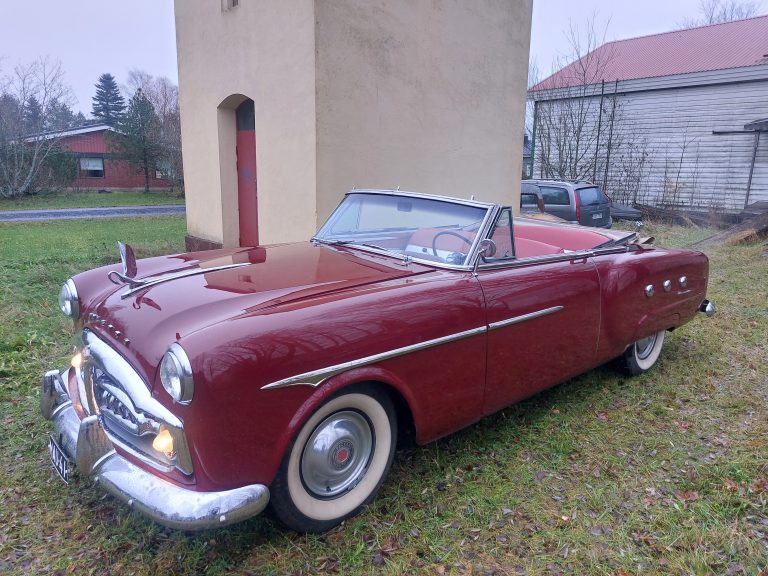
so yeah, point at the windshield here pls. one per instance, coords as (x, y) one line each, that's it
(434, 230)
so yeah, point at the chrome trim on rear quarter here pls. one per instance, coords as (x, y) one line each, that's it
(524, 317)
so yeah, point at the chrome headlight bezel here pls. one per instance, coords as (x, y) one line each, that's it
(69, 301)
(176, 374)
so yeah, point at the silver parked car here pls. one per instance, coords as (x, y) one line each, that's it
(577, 201)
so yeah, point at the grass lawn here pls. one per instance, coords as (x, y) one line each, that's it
(91, 199)
(665, 473)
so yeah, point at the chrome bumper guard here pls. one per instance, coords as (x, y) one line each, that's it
(708, 308)
(86, 444)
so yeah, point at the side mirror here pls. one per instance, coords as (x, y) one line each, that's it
(486, 249)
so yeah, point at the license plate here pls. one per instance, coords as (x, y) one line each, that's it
(59, 460)
(597, 216)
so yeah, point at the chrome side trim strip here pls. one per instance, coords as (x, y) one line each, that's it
(524, 317)
(317, 377)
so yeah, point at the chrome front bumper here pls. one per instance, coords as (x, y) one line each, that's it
(85, 443)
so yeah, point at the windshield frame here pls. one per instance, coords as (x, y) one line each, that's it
(482, 232)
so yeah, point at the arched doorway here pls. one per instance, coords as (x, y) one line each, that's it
(247, 197)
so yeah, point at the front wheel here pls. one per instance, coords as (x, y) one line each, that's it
(642, 355)
(337, 462)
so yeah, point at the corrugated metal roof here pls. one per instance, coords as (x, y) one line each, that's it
(715, 47)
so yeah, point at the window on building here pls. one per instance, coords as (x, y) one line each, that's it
(162, 170)
(92, 167)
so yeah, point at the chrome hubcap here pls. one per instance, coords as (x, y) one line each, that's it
(644, 346)
(337, 454)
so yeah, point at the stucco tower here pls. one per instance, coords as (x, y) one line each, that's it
(287, 104)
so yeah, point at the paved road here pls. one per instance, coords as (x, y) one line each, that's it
(83, 213)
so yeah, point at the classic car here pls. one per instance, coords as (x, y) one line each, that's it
(207, 385)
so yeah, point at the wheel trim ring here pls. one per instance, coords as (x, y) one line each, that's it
(644, 346)
(326, 475)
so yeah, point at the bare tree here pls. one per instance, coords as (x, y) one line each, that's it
(566, 131)
(581, 129)
(719, 11)
(27, 154)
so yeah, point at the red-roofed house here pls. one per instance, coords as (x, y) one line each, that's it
(672, 119)
(99, 167)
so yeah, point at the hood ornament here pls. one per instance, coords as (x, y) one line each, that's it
(128, 258)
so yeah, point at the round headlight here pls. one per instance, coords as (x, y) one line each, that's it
(68, 301)
(176, 374)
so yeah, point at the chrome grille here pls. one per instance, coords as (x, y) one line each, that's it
(117, 408)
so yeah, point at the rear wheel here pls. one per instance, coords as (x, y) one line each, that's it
(337, 462)
(642, 355)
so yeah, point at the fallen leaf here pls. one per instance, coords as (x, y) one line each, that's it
(688, 495)
(642, 537)
(379, 559)
(440, 569)
(539, 476)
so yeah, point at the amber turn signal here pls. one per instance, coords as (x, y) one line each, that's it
(163, 442)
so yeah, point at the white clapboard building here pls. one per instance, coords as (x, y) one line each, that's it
(676, 119)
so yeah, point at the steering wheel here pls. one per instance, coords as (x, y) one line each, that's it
(447, 233)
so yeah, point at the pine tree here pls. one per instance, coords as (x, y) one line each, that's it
(108, 104)
(33, 116)
(138, 136)
(59, 116)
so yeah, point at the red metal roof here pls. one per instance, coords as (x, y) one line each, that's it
(715, 47)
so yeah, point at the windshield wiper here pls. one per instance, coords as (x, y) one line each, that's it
(362, 244)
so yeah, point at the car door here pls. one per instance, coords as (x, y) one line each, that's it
(543, 317)
(558, 201)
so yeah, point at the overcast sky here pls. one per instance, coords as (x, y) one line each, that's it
(91, 37)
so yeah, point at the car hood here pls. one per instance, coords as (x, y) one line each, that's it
(254, 281)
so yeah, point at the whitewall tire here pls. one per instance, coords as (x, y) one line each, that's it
(642, 355)
(337, 462)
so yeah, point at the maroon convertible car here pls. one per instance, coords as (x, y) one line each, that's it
(208, 385)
